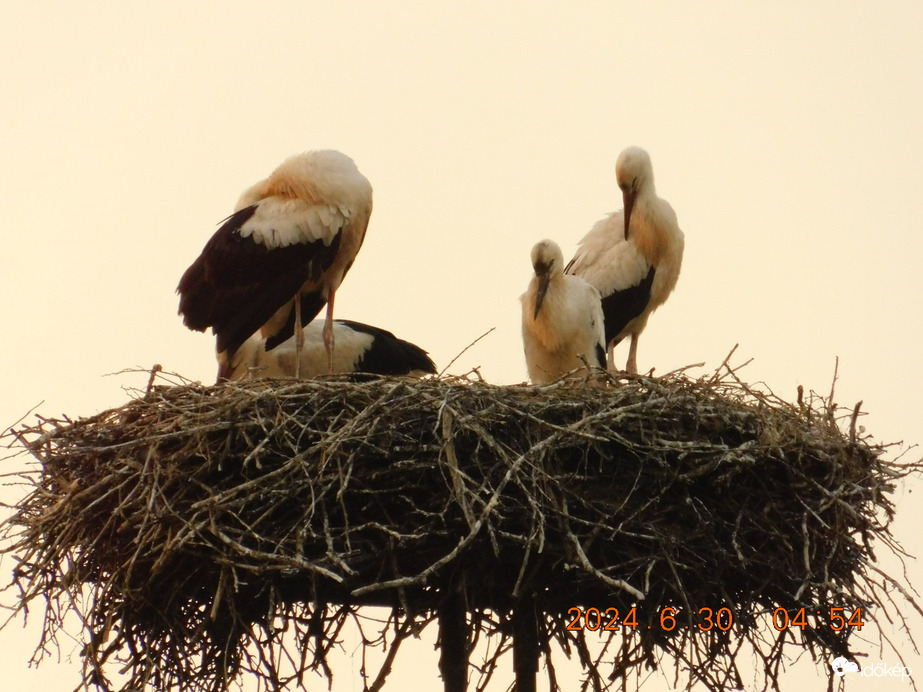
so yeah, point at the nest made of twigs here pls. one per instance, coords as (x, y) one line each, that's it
(204, 532)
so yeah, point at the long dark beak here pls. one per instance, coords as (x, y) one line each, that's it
(543, 280)
(628, 199)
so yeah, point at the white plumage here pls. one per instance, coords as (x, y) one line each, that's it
(633, 257)
(361, 348)
(562, 318)
(280, 257)
(309, 197)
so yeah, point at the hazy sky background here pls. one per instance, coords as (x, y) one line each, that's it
(787, 136)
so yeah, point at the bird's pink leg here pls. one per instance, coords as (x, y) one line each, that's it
(610, 358)
(632, 365)
(328, 334)
(299, 336)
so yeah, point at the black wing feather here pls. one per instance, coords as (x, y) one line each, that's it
(623, 306)
(389, 355)
(236, 284)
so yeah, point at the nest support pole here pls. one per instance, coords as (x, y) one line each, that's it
(454, 640)
(525, 643)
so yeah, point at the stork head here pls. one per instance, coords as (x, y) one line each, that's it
(634, 174)
(321, 176)
(548, 261)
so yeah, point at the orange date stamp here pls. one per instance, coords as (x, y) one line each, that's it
(668, 618)
(609, 620)
(836, 619)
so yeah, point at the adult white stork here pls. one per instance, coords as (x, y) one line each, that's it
(562, 318)
(632, 256)
(361, 348)
(280, 256)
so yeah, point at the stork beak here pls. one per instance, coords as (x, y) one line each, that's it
(543, 280)
(628, 199)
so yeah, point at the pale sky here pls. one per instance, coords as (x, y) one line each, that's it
(787, 136)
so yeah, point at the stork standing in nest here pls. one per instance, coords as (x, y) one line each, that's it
(632, 256)
(562, 318)
(280, 257)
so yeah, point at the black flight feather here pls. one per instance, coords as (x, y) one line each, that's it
(389, 355)
(237, 284)
(623, 306)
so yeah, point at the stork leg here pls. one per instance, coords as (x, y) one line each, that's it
(328, 333)
(610, 358)
(632, 365)
(299, 336)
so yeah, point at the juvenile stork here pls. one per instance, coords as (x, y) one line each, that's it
(632, 256)
(361, 348)
(562, 318)
(282, 254)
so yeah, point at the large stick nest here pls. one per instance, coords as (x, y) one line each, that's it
(204, 532)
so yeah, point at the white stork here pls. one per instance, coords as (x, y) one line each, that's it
(632, 256)
(361, 348)
(562, 318)
(280, 256)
